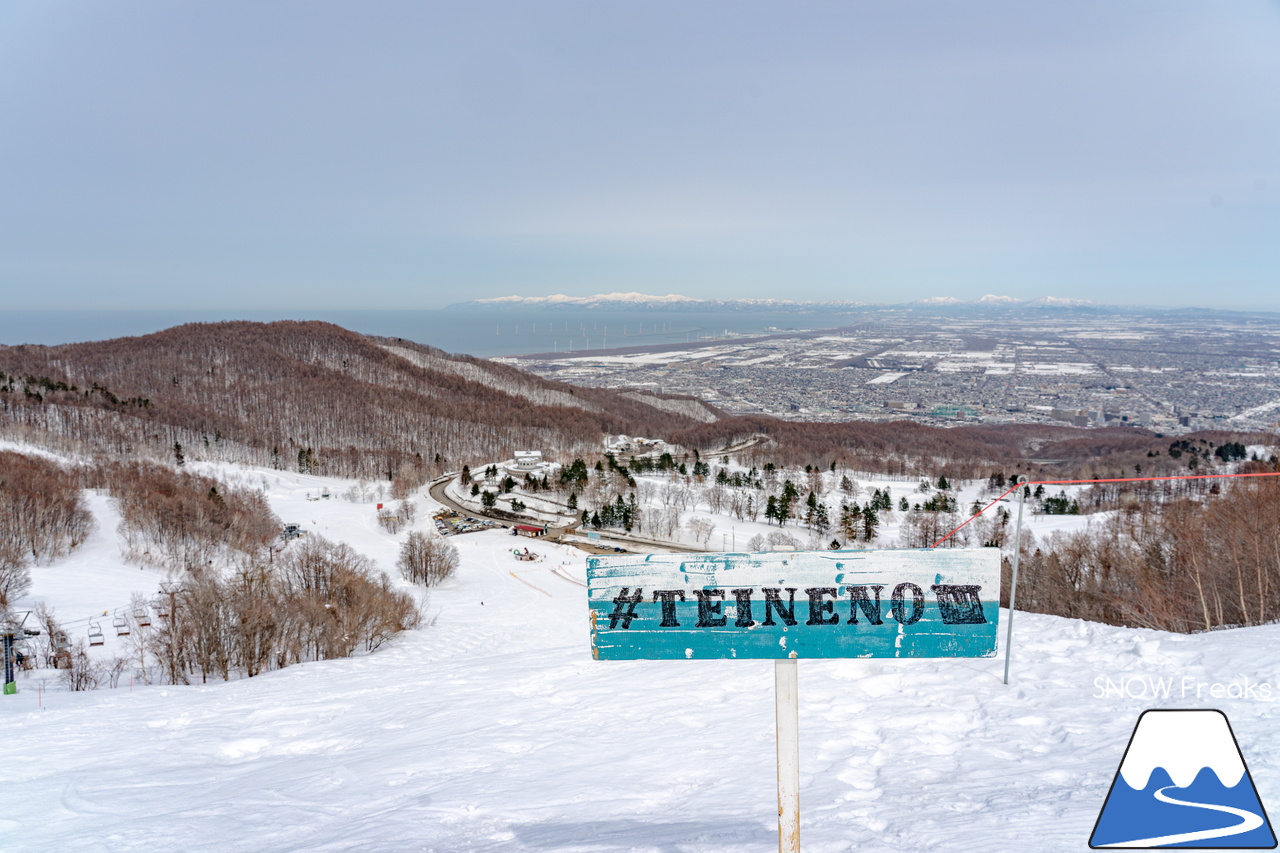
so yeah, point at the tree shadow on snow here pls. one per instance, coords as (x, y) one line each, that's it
(680, 837)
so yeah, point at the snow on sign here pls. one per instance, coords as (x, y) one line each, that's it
(804, 604)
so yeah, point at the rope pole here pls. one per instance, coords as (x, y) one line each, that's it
(1105, 480)
(1013, 582)
(1023, 485)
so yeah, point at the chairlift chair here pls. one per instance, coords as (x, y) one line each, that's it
(95, 634)
(121, 625)
(61, 650)
(161, 604)
(142, 616)
(24, 654)
(62, 659)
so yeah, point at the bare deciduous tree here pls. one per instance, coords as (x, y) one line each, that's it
(701, 528)
(82, 672)
(43, 516)
(784, 540)
(319, 600)
(179, 520)
(427, 560)
(716, 496)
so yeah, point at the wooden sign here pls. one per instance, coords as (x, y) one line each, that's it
(801, 604)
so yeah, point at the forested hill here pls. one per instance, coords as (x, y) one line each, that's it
(315, 397)
(309, 395)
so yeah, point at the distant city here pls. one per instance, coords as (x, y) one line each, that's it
(944, 364)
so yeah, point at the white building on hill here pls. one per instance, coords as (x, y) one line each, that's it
(527, 462)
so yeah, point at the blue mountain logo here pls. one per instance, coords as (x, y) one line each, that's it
(1183, 783)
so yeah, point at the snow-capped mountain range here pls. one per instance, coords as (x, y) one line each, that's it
(993, 299)
(675, 302)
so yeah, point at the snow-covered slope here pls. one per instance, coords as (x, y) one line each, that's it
(492, 729)
(477, 373)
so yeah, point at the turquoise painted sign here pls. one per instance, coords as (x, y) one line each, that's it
(801, 604)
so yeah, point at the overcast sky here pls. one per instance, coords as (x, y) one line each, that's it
(260, 155)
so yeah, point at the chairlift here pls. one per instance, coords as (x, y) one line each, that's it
(121, 625)
(16, 624)
(142, 616)
(23, 654)
(161, 605)
(95, 634)
(61, 650)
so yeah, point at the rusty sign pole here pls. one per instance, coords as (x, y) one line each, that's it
(787, 700)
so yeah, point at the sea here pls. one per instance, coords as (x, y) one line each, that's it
(478, 332)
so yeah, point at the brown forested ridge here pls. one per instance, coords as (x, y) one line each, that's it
(299, 395)
(314, 397)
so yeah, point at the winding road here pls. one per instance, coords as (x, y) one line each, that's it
(437, 492)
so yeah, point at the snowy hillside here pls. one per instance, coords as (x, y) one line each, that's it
(492, 729)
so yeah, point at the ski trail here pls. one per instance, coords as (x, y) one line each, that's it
(1249, 821)
(558, 572)
(531, 586)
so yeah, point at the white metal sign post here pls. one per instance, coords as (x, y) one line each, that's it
(1013, 582)
(785, 606)
(786, 685)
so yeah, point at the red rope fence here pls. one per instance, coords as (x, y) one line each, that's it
(1087, 482)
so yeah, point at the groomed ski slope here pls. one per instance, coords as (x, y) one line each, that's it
(491, 729)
